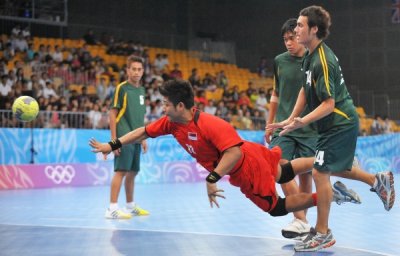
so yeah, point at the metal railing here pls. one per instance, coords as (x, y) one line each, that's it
(376, 104)
(49, 12)
(56, 119)
(83, 120)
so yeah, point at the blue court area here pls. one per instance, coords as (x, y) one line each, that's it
(70, 221)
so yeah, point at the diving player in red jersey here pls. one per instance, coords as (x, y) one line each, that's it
(216, 145)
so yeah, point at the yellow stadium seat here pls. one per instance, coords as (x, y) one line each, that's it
(215, 95)
(361, 112)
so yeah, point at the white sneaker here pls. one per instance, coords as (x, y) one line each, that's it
(315, 241)
(296, 229)
(117, 214)
(356, 163)
(385, 189)
(341, 194)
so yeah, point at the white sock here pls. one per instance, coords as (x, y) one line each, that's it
(113, 206)
(375, 183)
(130, 205)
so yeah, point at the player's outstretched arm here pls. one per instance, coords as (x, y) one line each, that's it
(273, 106)
(97, 146)
(296, 123)
(136, 135)
(228, 160)
(290, 122)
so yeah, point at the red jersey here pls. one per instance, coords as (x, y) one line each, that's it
(205, 137)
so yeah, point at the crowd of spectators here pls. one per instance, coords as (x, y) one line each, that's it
(47, 72)
(381, 125)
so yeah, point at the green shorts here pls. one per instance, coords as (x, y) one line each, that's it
(129, 159)
(336, 148)
(295, 147)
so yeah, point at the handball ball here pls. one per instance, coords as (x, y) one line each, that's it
(25, 108)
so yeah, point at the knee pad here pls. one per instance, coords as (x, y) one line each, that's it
(280, 208)
(287, 173)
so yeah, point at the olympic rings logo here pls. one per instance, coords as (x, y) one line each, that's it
(60, 174)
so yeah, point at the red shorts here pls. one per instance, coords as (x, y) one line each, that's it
(256, 177)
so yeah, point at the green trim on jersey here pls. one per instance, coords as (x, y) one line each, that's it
(288, 78)
(323, 80)
(130, 102)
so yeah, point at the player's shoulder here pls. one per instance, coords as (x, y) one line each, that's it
(282, 56)
(122, 85)
(209, 120)
(326, 53)
(204, 116)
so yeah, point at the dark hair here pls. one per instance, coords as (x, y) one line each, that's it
(318, 16)
(133, 58)
(289, 26)
(178, 90)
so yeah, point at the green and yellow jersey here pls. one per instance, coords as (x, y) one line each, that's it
(323, 80)
(130, 101)
(288, 78)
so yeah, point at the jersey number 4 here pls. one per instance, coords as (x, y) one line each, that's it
(319, 157)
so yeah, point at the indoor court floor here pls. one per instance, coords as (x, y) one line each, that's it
(70, 221)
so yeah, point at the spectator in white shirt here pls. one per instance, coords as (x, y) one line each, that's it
(57, 55)
(153, 115)
(158, 64)
(34, 79)
(101, 89)
(26, 32)
(12, 78)
(5, 87)
(19, 43)
(387, 125)
(164, 60)
(377, 125)
(155, 95)
(261, 102)
(210, 107)
(159, 108)
(48, 91)
(16, 30)
(94, 116)
(44, 79)
(8, 53)
(3, 67)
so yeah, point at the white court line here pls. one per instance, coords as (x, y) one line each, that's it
(180, 232)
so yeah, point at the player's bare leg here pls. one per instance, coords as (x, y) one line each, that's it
(298, 227)
(113, 212)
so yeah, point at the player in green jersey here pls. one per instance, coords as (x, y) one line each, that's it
(299, 143)
(332, 109)
(126, 114)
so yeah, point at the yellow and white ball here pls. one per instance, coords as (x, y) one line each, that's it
(25, 108)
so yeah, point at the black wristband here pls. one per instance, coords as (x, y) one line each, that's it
(213, 177)
(115, 144)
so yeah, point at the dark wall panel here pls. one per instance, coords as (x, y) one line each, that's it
(362, 35)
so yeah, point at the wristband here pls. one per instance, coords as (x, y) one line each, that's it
(115, 144)
(213, 177)
(274, 99)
